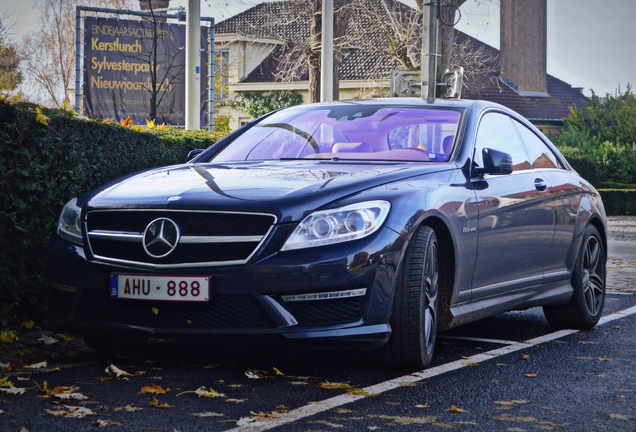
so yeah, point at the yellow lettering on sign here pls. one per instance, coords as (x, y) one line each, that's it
(115, 45)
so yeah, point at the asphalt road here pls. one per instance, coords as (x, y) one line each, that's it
(509, 372)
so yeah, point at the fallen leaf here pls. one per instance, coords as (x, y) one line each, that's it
(530, 375)
(48, 340)
(154, 310)
(333, 386)
(126, 122)
(155, 404)
(8, 336)
(207, 414)
(326, 423)
(425, 406)
(128, 408)
(63, 337)
(232, 400)
(278, 372)
(255, 374)
(71, 411)
(106, 423)
(454, 409)
(202, 392)
(606, 359)
(4, 382)
(71, 396)
(407, 420)
(264, 415)
(37, 365)
(153, 389)
(40, 117)
(112, 369)
(619, 416)
(506, 403)
(28, 324)
(525, 357)
(244, 421)
(517, 419)
(13, 390)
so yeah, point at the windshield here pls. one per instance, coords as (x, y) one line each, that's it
(361, 132)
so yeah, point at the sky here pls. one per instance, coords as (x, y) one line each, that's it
(590, 43)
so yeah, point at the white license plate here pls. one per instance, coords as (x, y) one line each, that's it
(165, 288)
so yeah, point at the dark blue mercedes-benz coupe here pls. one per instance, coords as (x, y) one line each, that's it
(366, 224)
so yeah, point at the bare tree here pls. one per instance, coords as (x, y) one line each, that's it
(301, 44)
(401, 28)
(381, 35)
(10, 75)
(166, 67)
(49, 52)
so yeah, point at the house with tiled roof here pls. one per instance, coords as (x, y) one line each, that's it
(250, 47)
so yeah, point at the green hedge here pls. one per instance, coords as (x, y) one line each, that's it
(619, 202)
(43, 165)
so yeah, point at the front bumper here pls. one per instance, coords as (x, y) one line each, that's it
(246, 300)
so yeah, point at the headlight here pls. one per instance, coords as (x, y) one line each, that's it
(338, 225)
(68, 226)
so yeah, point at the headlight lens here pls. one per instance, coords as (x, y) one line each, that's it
(338, 225)
(69, 225)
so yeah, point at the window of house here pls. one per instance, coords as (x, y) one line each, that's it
(222, 75)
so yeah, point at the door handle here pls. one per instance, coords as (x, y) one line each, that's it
(540, 185)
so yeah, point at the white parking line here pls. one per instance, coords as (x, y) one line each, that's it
(334, 402)
(484, 340)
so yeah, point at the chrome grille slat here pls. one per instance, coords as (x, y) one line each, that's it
(116, 236)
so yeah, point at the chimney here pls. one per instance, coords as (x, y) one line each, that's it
(523, 46)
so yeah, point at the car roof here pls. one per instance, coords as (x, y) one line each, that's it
(443, 103)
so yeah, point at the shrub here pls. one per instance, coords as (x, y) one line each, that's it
(46, 158)
(602, 132)
(619, 202)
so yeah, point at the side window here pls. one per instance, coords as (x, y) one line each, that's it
(497, 132)
(540, 155)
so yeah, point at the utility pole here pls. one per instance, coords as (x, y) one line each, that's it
(326, 59)
(430, 36)
(193, 65)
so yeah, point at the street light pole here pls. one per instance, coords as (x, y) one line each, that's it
(193, 65)
(326, 59)
(430, 31)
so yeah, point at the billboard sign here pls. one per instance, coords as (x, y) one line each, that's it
(129, 66)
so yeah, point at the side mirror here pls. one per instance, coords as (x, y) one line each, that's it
(194, 153)
(495, 162)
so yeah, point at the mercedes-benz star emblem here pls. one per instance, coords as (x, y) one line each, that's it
(161, 237)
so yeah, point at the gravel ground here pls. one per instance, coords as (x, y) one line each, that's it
(621, 263)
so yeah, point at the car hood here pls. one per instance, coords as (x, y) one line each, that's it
(288, 189)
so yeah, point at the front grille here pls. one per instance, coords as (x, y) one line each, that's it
(325, 312)
(205, 238)
(221, 312)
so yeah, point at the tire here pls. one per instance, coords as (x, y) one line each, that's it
(588, 280)
(414, 317)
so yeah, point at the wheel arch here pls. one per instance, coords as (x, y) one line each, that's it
(446, 247)
(600, 227)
